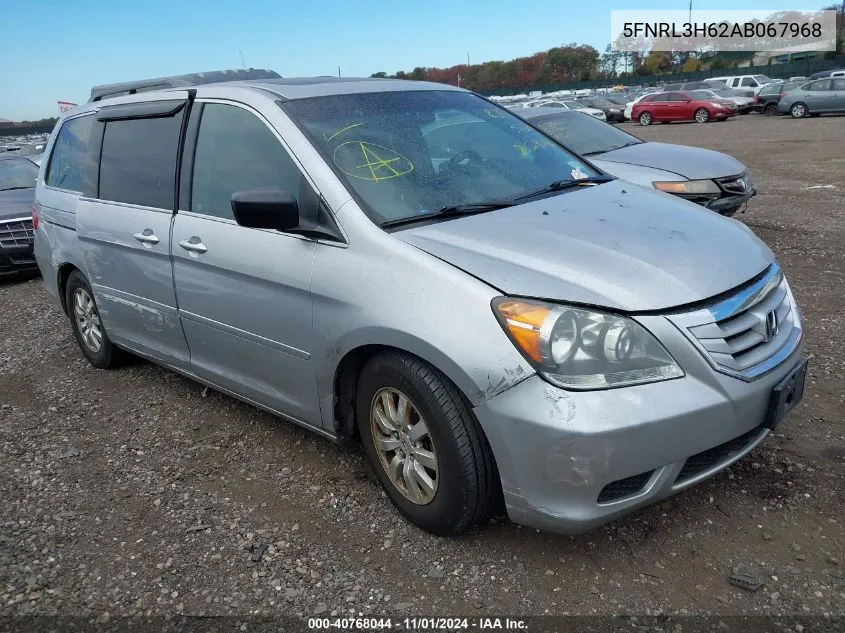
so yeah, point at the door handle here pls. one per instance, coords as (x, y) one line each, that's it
(193, 245)
(147, 237)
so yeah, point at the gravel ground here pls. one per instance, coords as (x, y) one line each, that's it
(139, 492)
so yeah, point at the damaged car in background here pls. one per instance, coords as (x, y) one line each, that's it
(712, 179)
(499, 322)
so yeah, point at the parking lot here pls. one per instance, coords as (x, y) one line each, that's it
(138, 491)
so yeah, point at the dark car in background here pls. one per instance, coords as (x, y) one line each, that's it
(17, 196)
(614, 112)
(766, 101)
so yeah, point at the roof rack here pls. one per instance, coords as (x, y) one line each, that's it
(106, 91)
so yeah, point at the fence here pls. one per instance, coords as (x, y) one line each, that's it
(803, 68)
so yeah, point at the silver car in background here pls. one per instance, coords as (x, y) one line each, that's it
(497, 321)
(712, 179)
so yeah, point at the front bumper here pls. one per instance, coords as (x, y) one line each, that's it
(16, 248)
(17, 261)
(560, 452)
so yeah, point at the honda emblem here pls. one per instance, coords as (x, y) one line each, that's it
(772, 325)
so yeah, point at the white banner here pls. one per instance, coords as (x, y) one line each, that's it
(710, 30)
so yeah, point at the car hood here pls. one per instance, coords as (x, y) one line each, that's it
(16, 203)
(690, 162)
(615, 245)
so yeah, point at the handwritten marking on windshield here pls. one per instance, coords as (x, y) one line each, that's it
(380, 163)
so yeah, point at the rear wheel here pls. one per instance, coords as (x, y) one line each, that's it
(771, 109)
(702, 115)
(798, 110)
(424, 444)
(87, 327)
(645, 118)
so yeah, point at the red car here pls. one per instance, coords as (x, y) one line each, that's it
(681, 106)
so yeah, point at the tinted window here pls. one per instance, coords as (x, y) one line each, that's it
(17, 173)
(749, 81)
(67, 167)
(824, 84)
(769, 90)
(583, 133)
(138, 163)
(838, 84)
(675, 96)
(236, 151)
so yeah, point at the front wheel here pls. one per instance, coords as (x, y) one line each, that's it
(702, 115)
(645, 118)
(424, 444)
(798, 110)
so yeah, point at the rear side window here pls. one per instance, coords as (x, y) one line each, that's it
(236, 151)
(138, 162)
(838, 84)
(824, 84)
(68, 166)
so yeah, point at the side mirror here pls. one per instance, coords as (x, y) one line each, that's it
(270, 208)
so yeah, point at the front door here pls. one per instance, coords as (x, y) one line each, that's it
(124, 228)
(244, 294)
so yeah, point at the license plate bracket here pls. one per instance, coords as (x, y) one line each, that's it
(786, 395)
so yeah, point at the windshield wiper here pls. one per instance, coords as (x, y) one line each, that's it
(13, 188)
(560, 185)
(450, 211)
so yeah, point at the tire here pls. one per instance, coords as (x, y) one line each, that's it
(463, 487)
(82, 312)
(798, 110)
(770, 109)
(645, 118)
(702, 115)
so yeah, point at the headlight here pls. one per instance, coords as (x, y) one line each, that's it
(687, 186)
(584, 349)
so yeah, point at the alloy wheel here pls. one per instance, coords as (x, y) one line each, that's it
(702, 115)
(798, 110)
(404, 444)
(87, 320)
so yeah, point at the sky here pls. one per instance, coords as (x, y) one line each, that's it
(55, 50)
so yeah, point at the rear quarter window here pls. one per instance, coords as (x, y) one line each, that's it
(138, 161)
(67, 168)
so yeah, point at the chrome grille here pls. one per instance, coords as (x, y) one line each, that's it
(735, 184)
(751, 331)
(16, 232)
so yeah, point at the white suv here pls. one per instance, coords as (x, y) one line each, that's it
(745, 81)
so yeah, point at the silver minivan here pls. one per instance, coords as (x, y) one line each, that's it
(499, 323)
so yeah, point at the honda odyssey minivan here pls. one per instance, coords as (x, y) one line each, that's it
(499, 323)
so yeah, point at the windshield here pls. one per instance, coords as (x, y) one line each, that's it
(17, 173)
(584, 134)
(411, 153)
(701, 95)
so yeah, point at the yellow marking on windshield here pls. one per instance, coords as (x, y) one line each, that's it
(380, 163)
(341, 131)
